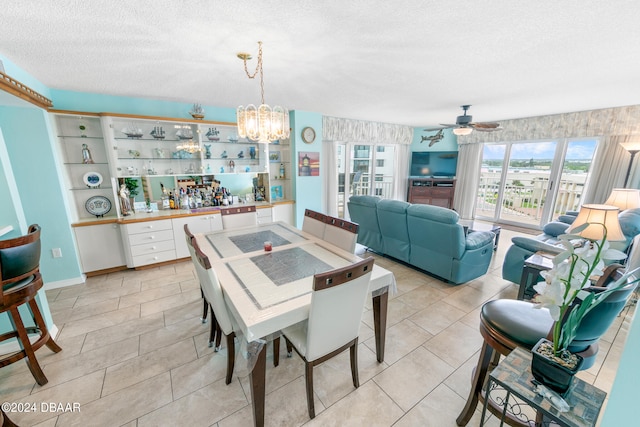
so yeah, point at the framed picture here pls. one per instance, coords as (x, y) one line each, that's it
(274, 156)
(276, 192)
(308, 164)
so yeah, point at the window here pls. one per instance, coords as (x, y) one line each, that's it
(364, 170)
(529, 183)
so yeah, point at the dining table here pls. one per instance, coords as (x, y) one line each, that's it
(266, 274)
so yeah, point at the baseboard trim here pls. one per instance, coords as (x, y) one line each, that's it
(66, 282)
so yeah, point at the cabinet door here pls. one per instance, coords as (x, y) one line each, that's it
(100, 247)
(283, 212)
(197, 224)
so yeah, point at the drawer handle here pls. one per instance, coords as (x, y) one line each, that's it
(155, 258)
(150, 226)
(152, 237)
(153, 248)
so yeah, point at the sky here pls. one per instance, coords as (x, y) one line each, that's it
(577, 150)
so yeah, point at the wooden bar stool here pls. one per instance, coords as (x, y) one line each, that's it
(21, 281)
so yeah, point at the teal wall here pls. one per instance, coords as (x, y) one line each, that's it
(308, 191)
(448, 143)
(11, 213)
(30, 147)
(621, 409)
(97, 103)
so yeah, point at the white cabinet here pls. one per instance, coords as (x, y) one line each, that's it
(265, 216)
(148, 242)
(100, 247)
(283, 212)
(197, 224)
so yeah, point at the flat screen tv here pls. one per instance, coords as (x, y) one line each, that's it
(436, 164)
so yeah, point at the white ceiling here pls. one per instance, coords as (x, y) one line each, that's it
(409, 62)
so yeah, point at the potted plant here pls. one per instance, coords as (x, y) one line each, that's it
(565, 293)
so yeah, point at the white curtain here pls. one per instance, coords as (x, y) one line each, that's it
(401, 165)
(467, 177)
(331, 173)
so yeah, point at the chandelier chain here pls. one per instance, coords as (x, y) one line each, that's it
(258, 69)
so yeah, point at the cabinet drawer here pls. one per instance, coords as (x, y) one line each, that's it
(156, 236)
(264, 212)
(420, 191)
(154, 258)
(150, 248)
(144, 227)
(441, 192)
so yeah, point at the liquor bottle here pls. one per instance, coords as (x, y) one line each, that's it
(282, 171)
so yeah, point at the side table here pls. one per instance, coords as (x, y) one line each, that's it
(513, 377)
(540, 261)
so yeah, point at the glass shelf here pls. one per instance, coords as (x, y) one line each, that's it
(96, 138)
(86, 164)
(90, 188)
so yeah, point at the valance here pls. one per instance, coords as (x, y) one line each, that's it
(348, 130)
(604, 122)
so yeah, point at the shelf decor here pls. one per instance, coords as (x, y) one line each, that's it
(92, 179)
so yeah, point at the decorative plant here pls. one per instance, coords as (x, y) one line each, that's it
(567, 281)
(132, 186)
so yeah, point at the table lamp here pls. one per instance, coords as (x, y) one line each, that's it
(632, 148)
(624, 198)
(596, 215)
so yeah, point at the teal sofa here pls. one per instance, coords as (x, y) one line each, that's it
(427, 237)
(523, 247)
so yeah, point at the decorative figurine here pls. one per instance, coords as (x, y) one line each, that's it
(221, 169)
(207, 151)
(125, 204)
(86, 154)
(224, 154)
(252, 152)
(241, 155)
(232, 166)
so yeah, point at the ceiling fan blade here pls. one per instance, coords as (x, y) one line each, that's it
(485, 126)
(449, 125)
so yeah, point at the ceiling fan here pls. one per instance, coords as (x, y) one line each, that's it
(464, 125)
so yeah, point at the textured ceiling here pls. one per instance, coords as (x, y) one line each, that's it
(409, 62)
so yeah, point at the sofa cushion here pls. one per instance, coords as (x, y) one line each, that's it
(478, 239)
(555, 228)
(535, 245)
(434, 213)
(630, 222)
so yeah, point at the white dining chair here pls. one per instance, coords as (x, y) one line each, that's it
(314, 223)
(189, 237)
(225, 323)
(341, 233)
(239, 217)
(337, 303)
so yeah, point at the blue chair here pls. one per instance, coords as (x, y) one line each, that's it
(363, 211)
(392, 217)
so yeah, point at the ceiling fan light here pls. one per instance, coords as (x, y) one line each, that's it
(462, 131)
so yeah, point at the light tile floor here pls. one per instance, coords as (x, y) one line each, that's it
(135, 354)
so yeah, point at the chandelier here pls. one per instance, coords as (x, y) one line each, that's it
(262, 124)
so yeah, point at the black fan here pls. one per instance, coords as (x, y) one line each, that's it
(464, 122)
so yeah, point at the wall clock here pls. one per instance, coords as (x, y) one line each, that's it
(308, 135)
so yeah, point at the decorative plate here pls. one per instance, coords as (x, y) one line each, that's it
(98, 205)
(92, 179)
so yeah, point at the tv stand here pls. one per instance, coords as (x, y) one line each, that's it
(432, 191)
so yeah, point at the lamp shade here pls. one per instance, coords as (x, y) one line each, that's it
(462, 131)
(624, 198)
(597, 216)
(631, 146)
